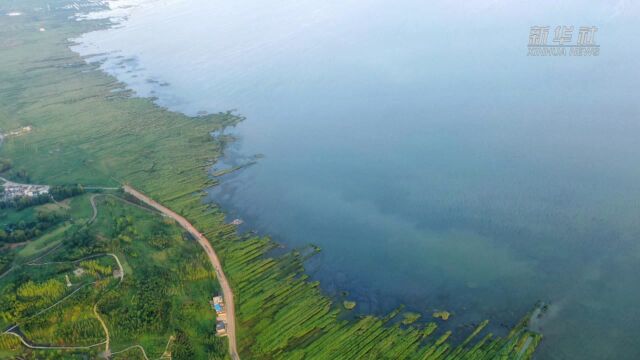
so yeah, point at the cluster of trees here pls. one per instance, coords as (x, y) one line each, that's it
(93, 267)
(79, 241)
(28, 298)
(5, 164)
(24, 202)
(80, 331)
(124, 229)
(61, 192)
(194, 271)
(160, 235)
(23, 231)
(148, 309)
(10, 343)
(49, 289)
(21, 175)
(182, 347)
(6, 258)
(216, 346)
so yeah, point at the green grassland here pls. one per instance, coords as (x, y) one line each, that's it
(84, 132)
(10, 216)
(13, 217)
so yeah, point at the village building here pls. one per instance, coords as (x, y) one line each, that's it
(217, 304)
(221, 328)
(13, 190)
(117, 273)
(78, 272)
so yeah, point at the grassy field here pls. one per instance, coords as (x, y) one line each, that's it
(84, 132)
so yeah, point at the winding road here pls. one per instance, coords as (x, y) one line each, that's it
(25, 343)
(227, 293)
(94, 207)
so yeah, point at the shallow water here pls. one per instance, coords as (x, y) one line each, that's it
(434, 163)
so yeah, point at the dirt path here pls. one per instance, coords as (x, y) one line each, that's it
(104, 327)
(213, 258)
(8, 271)
(107, 352)
(15, 266)
(144, 353)
(25, 343)
(114, 256)
(13, 246)
(92, 200)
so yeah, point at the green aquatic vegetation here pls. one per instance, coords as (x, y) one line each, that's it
(410, 318)
(349, 305)
(444, 315)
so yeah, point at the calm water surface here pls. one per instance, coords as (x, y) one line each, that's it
(434, 162)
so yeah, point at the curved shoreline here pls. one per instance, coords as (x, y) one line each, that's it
(112, 139)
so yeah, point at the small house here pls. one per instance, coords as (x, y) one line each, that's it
(221, 328)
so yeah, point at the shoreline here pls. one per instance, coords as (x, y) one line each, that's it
(458, 298)
(229, 170)
(270, 288)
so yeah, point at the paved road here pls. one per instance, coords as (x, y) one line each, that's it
(227, 293)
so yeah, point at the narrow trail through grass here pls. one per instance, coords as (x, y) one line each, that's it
(104, 327)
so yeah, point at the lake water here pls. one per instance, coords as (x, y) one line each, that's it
(432, 160)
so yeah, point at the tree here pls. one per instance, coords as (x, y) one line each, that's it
(19, 235)
(182, 347)
(5, 164)
(61, 192)
(79, 236)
